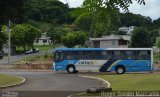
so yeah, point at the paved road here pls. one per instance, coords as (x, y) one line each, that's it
(51, 81)
(16, 58)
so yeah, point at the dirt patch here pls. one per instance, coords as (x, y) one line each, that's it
(28, 65)
(157, 65)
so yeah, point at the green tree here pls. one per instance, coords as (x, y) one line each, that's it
(69, 40)
(130, 19)
(80, 38)
(158, 44)
(23, 35)
(3, 38)
(74, 38)
(84, 24)
(57, 32)
(153, 35)
(11, 10)
(102, 11)
(156, 23)
(140, 38)
(18, 35)
(120, 33)
(30, 35)
(46, 11)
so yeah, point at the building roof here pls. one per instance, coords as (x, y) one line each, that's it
(113, 37)
(44, 37)
(124, 28)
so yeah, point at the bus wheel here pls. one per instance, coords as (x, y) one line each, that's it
(120, 70)
(71, 69)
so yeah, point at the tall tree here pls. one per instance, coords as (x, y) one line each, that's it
(11, 10)
(74, 38)
(102, 10)
(23, 35)
(140, 38)
(57, 32)
(156, 23)
(46, 11)
(3, 38)
(130, 19)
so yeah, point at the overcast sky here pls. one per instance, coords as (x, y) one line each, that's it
(151, 9)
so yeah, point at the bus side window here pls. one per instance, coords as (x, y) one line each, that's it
(88, 55)
(58, 56)
(104, 55)
(69, 55)
(148, 55)
(84, 55)
(129, 55)
(110, 54)
(122, 55)
(76, 55)
(143, 55)
(93, 55)
(117, 55)
(98, 55)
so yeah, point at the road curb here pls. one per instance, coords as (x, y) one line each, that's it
(23, 80)
(76, 94)
(26, 70)
(97, 78)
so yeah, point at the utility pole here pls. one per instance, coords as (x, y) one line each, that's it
(9, 41)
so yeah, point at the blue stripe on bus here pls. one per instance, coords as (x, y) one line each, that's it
(107, 65)
(134, 65)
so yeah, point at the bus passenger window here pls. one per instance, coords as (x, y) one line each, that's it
(117, 54)
(104, 55)
(110, 54)
(69, 55)
(129, 55)
(58, 56)
(86, 55)
(143, 55)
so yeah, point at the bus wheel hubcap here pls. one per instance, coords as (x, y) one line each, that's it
(120, 70)
(71, 69)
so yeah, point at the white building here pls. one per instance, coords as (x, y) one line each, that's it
(43, 40)
(6, 48)
(112, 41)
(127, 29)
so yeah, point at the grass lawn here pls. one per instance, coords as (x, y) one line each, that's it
(44, 47)
(6, 80)
(133, 82)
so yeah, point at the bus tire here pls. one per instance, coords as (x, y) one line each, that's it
(71, 69)
(120, 69)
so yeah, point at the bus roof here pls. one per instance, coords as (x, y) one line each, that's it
(88, 49)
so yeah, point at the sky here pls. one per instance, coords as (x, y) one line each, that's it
(151, 9)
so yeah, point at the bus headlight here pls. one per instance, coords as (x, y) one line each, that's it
(54, 67)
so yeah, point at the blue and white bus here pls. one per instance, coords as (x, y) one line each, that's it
(120, 60)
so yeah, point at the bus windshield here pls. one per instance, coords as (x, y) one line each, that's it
(58, 56)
